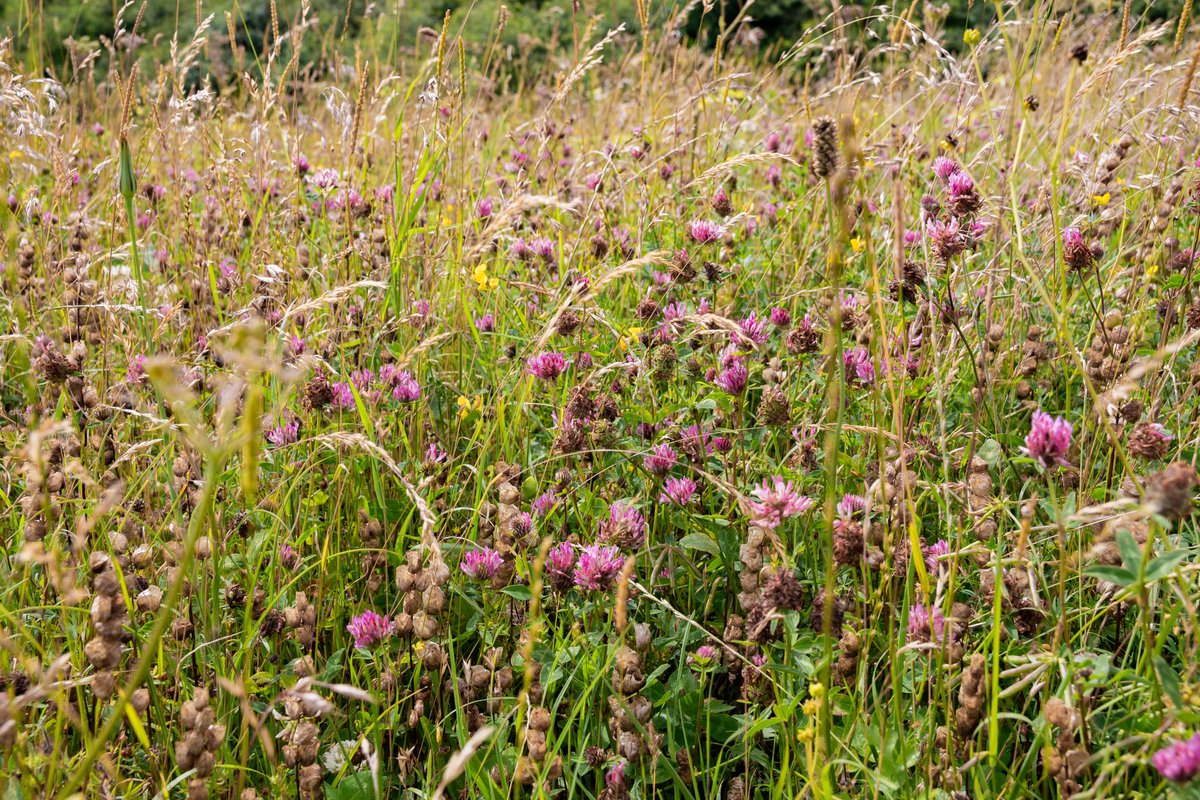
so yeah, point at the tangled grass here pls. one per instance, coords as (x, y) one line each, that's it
(681, 424)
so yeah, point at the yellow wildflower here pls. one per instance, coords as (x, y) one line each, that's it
(1102, 199)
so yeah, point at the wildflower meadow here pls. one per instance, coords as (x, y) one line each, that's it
(657, 409)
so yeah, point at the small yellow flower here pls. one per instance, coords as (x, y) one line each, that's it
(1120, 181)
(15, 155)
(1102, 199)
(466, 405)
(1151, 270)
(804, 735)
(811, 706)
(484, 281)
(630, 336)
(971, 37)
(856, 244)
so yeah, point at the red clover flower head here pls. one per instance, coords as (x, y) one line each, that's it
(1049, 440)
(944, 168)
(544, 504)
(777, 500)
(369, 629)
(1179, 762)
(754, 329)
(547, 366)
(625, 526)
(481, 563)
(850, 505)
(933, 554)
(679, 491)
(733, 378)
(660, 460)
(704, 231)
(561, 559)
(597, 567)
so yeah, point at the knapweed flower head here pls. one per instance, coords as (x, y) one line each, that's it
(703, 231)
(597, 567)
(679, 491)
(625, 526)
(1049, 440)
(482, 563)
(1179, 762)
(777, 500)
(660, 460)
(369, 629)
(547, 366)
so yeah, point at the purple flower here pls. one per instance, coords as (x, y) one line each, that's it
(522, 525)
(703, 231)
(754, 329)
(925, 625)
(284, 433)
(543, 505)
(405, 388)
(947, 237)
(614, 779)
(361, 378)
(933, 554)
(777, 500)
(598, 567)
(944, 168)
(780, 317)
(543, 248)
(435, 455)
(1179, 761)
(369, 629)
(858, 363)
(325, 178)
(678, 490)
(733, 378)
(288, 556)
(850, 505)
(560, 560)
(960, 185)
(1049, 440)
(484, 208)
(625, 526)
(136, 372)
(593, 182)
(660, 460)
(481, 563)
(486, 323)
(547, 366)
(343, 395)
